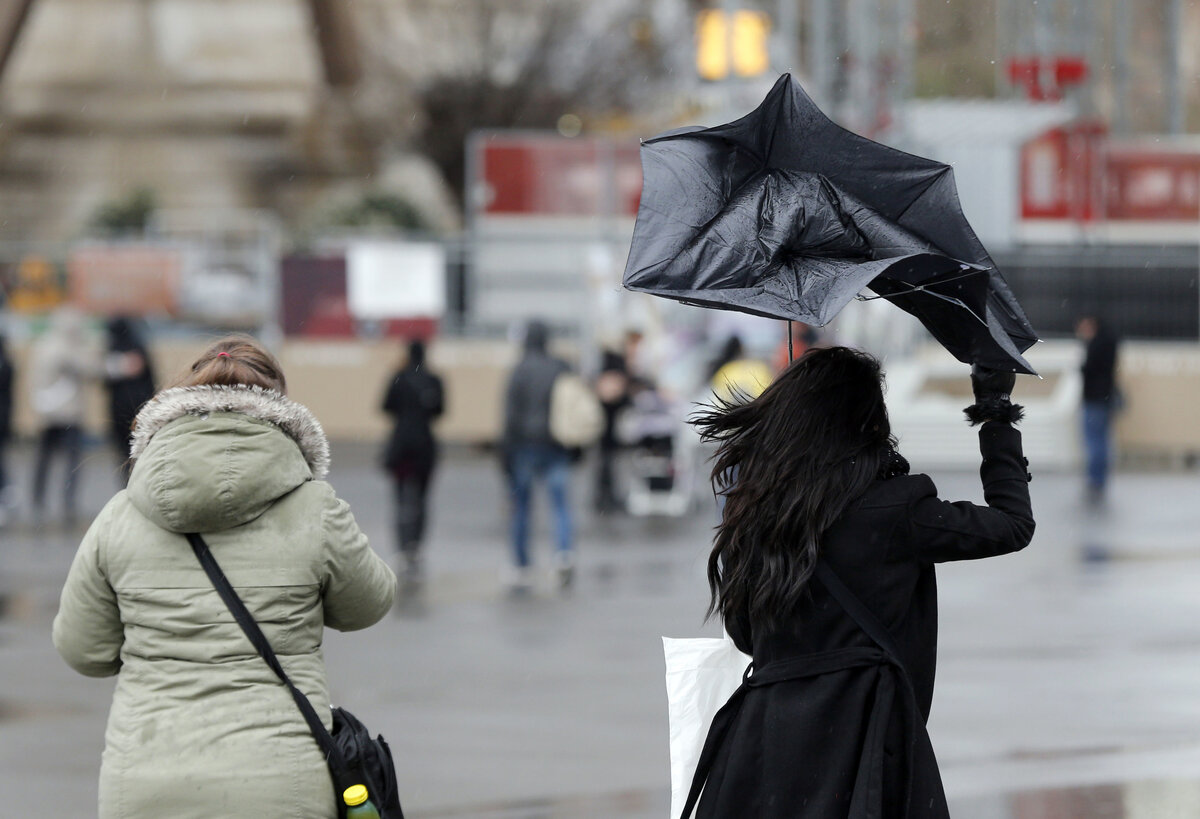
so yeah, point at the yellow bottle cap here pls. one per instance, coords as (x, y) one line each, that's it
(355, 795)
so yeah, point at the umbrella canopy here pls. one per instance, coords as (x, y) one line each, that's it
(785, 214)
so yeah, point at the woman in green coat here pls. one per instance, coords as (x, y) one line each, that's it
(200, 726)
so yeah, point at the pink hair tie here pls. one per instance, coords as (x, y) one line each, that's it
(222, 355)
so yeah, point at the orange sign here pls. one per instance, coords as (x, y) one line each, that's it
(125, 279)
(37, 288)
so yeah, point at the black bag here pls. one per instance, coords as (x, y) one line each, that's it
(354, 757)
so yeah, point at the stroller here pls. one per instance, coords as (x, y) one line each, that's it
(662, 460)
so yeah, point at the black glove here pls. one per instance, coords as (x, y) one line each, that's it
(989, 384)
(993, 396)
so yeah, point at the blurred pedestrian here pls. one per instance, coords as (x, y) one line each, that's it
(1101, 400)
(130, 382)
(613, 391)
(414, 399)
(823, 571)
(200, 726)
(736, 375)
(6, 405)
(62, 361)
(802, 337)
(532, 455)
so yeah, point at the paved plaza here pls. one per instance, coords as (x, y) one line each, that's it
(1068, 679)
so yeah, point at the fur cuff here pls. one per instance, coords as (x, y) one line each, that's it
(994, 409)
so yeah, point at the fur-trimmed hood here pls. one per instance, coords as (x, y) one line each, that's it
(211, 458)
(296, 421)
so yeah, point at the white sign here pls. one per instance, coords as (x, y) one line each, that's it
(389, 280)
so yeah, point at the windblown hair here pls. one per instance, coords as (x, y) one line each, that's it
(789, 463)
(245, 361)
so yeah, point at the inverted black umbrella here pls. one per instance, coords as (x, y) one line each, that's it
(785, 214)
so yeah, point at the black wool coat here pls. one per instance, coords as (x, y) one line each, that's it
(823, 738)
(414, 400)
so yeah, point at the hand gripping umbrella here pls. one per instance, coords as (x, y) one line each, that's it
(784, 214)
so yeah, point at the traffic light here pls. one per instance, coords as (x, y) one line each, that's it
(748, 45)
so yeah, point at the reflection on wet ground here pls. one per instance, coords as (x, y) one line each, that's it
(1138, 800)
(1074, 663)
(626, 804)
(1156, 799)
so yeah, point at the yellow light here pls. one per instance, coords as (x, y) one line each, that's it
(751, 54)
(749, 44)
(712, 45)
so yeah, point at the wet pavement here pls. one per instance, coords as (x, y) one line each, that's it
(1068, 680)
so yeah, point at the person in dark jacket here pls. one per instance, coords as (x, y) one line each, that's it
(823, 571)
(1100, 399)
(531, 454)
(129, 379)
(6, 405)
(612, 388)
(414, 399)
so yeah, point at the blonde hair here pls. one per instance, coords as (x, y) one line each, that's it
(236, 359)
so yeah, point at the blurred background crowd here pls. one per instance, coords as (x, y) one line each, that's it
(342, 178)
(388, 191)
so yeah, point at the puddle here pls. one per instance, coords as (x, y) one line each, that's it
(1136, 800)
(24, 711)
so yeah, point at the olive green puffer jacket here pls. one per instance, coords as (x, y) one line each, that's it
(199, 725)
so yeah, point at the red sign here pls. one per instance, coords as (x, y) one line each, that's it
(1077, 173)
(1060, 173)
(1044, 78)
(315, 302)
(1153, 185)
(125, 279)
(549, 175)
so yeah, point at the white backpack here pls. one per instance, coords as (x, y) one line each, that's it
(576, 418)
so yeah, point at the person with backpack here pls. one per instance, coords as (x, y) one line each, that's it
(200, 725)
(823, 571)
(414, 399)
(536, 447)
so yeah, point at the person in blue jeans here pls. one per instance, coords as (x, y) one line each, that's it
(1100, 398)
(531, 455)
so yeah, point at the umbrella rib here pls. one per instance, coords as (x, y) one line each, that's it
(918, 288)
(950, 299)
(924, 288)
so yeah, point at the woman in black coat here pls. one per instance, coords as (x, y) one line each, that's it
(129, 379)
(414, 400)
(823, 571)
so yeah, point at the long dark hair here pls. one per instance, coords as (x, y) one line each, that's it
(789, 463)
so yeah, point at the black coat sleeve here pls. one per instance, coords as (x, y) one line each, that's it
(435, 404)
(944, 530)
(391, 398)
(514, 407)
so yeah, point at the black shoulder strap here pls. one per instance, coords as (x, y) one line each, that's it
(259, 640)
(857, 610)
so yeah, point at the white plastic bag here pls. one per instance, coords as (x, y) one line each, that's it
(702, 673)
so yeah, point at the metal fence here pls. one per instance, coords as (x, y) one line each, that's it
(1144, 292)
(572, 278)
